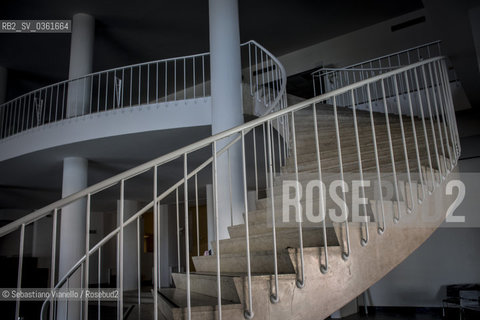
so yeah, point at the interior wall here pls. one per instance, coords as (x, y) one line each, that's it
(450, 256)
(359, 45)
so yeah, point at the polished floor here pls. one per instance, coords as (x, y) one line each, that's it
(417, 314)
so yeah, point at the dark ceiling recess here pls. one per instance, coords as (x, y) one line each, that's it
(128, 33)
(301, 84)
(408, 23)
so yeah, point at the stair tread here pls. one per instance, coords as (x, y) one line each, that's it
(178, 299)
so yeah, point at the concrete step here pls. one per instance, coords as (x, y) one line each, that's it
(206, 284)
(286, 237)
(351, 160)
(172, 304)
(365, 147)
(261, 262)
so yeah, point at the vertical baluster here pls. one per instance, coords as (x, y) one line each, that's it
(250, 68)
(274, 297)
(87, 254)
(184, 81)
(139, 271)
(139, 84)
(255, 161)
(131, 85)
(256, 75)
(321, 204)
(178, 230)
(203, 75)
(166, 80)
(187, 244)
(99, 277)
(230, 187)
(420, 199)
(265, 155)
(300, 282)
(405, 152)
(345, 254)
(156, 256)
(380, 229)
(217, 236)
(444, 143)
(392, 157)
(196, 216)
(364, 241)
(53, 258)
(435, 109)
(249, 312)
(194, 80)
(425, 133)
(432, 127)
(174, 79)
(443, 106)
(106, 90)
(20, 269)
(148, 83)
(122, 88)
(120, 251)
(156, 83)
(98, 91)
(115, 103)
(449, 111)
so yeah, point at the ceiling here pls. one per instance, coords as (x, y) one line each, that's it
(130, 31)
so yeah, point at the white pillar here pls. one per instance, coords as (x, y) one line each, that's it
(130, 248)
(225, 66)
(81, 59)
(72, 225)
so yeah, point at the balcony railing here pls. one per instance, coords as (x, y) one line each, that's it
(162, 81)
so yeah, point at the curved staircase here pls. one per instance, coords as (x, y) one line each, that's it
(301, 253)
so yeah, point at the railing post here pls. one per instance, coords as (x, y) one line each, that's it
(381, 229)
(321, 204)
(187, 244)
(345, 253)
(392, 157)
(217, 236)
(274, 297)
(20, 269)
(156, 264)
(249, 312)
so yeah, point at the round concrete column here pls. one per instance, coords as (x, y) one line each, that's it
(225, 69)
(225, 65)
(81, 58)
(72, 225)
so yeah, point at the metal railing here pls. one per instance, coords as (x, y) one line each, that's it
(162, 81)
(437, 127)
(327, 79)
